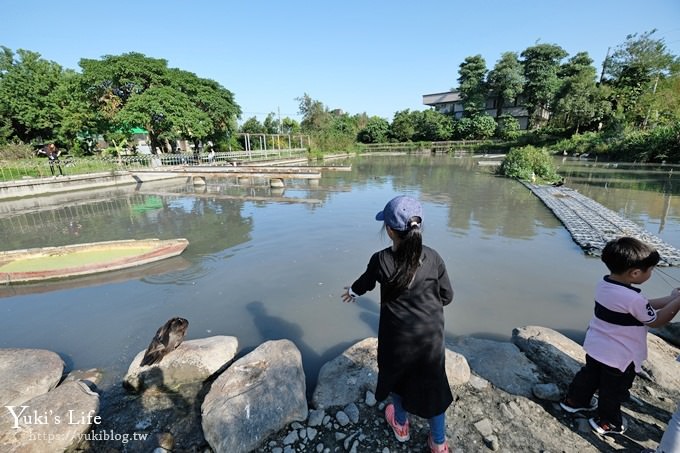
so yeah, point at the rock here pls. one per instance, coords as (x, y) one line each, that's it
(352, 374)
(91, 377)
(352, 412)
(670, 332)
(53, 421)
(556, 355)
(342, 418)
(345, 378)
(27, 373)
(547, 392)
(316, 417)
(192, 361)
(501, 363)
(256, 396)
(661, 362)
(457, 368)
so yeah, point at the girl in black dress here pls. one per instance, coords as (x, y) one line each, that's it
(414, 287)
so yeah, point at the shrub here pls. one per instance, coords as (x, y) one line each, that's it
(508, 128)
(526, 162)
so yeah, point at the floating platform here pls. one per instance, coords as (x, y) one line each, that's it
(592, 225)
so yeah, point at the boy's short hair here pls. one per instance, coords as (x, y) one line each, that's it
(624, 253)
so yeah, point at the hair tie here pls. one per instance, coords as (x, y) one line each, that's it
(414, 224)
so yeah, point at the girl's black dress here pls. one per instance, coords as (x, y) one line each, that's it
(411, 350)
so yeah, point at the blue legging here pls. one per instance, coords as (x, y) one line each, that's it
(437, 423)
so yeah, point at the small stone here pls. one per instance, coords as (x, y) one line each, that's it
(370, 399)
(316, 417)
(505, 410)
(165, 440)
(342, 418)
(291, 438)
(352, 412)
(326, 419)
(311, 433)
(277, 450)
(385, 450)
(296, 425)
(484, 427)
(289, 449)
(302, 433)
(492, 442)
(319, 448)
(348, 440)
(339, 436)
(355, 445)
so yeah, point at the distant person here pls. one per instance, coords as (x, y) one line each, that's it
(52, 153)
(616, 339)
(211, 156)
(414, 288)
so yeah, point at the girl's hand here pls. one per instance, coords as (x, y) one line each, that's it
(346, 297)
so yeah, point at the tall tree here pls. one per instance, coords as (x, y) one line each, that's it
(471, 85)
(315, 115)
(636, 68)
(579, 101)
(28, 102)
(541, 63)
(506, 80)
(403, 126)
(375, 131)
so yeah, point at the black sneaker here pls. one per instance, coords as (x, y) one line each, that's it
(607, 428)
(567, 406)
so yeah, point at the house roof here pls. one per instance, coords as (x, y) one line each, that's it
(442, 98)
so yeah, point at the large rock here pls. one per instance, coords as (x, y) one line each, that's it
(27, 373)
(192, 361)
(346, 378)
(670, 332)
(661, 363)
(501, 363)
(54, 421)
(256, 396)
(557, 356)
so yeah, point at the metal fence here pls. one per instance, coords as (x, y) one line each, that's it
(11, 170)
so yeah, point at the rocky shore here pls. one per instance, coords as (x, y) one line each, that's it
(205, 397)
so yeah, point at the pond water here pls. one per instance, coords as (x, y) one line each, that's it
(265, 264)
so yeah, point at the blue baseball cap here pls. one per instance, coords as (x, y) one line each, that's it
(398, 211)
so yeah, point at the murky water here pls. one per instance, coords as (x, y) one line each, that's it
(265, 265)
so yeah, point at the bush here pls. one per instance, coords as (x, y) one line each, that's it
(528, 162)
(507, 128)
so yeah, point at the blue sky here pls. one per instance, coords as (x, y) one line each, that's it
(370, 56)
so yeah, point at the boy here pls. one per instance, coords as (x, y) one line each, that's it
(616, 339)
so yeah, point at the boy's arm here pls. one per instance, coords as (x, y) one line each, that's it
(661, 302)
(665, 314)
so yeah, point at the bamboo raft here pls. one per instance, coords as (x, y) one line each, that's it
(592, 225)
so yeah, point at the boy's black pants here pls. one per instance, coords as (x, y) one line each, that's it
(612, 383)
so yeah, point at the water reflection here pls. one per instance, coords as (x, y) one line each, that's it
(267, 264)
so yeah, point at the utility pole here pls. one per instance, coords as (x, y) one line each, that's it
(278, 109)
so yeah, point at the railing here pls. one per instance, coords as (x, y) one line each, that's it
(445, 146)
(67, 165)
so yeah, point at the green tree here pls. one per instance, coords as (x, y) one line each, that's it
(403, 126)
(541, 64)
(290, 126)
(528, 163)
(166, 114)
(252, 126)
(471, 84)
(28, 103)
(580, 101)
(375, 131)
(271, 124)
(483, 126)
(315, 115)
(432, 126)
(635, 69)
(507, 128)
(506, 80)
(211, 98)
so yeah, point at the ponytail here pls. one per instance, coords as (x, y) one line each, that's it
(407, 255)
